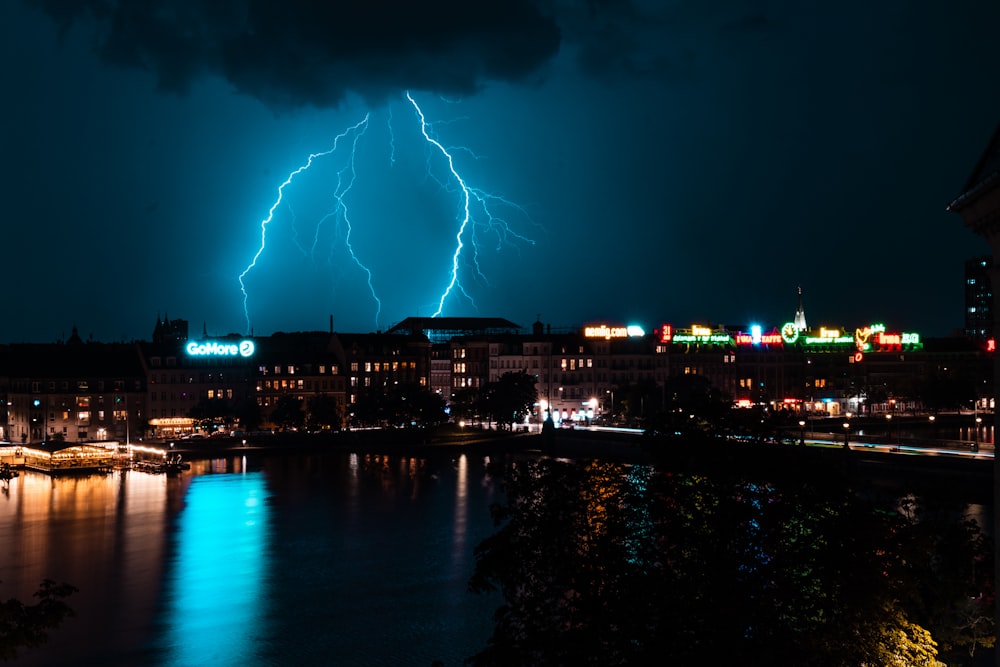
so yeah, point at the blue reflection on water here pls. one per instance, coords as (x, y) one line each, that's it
(212, 611)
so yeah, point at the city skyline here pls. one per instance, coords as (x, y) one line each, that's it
(626, 163)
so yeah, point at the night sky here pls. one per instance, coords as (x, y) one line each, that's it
(632, 162)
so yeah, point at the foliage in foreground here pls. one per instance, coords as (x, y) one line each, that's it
(26, 625)
(601, 564)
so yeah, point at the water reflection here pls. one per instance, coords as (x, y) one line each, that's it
(344, 558)
(104, 534)
(213, 615)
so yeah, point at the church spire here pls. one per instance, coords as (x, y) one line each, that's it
(800, 314)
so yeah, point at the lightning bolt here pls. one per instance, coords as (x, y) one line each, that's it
(343, 187)
(356, 128)
(478, 214)
(470, 196)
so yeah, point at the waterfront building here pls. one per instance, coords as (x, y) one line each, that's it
(456, 366)
(979, 298)
(304, 365)
(73, 391)
(173, 385)
(564, 367)
(380, 361)
(187, 378)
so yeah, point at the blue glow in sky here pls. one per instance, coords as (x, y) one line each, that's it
(665, 162)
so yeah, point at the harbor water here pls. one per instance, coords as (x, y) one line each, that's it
(333, 559)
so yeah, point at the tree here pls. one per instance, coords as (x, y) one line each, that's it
(371, 408)
(599, 565)
(509, 399)
(323, 413)
(692, 405)
(399, 405)
(421, 405)
(464, 404)
(635, 402)
(24, 625)
(211, 411)
(287, 412)
(247, 412)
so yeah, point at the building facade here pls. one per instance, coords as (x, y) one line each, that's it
(171, 386)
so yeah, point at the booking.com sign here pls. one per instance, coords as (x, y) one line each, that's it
(244, 348)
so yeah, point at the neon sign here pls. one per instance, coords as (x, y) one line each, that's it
(757, 337)
(714, 339)
(607, 333)
(666, 333)
(789, 332)
(245, 348)
(830, 337)
(762, 339)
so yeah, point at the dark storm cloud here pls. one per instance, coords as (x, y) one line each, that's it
(651, 40)
(315, 52)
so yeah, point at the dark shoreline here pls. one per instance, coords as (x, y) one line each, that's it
(770, 460)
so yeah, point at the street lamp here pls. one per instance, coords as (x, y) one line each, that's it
(979, 420)
(847, 430)
(888, 421)
(802, 431)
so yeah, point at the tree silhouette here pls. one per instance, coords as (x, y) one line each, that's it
(323, 413)
(509, 399)
(604, 564)
(26, 625)
(287, 413)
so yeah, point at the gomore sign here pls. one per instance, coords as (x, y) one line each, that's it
(244, 348)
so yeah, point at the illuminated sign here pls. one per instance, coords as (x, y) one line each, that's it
(829, 340)
(889, 339)
(607, 333)
(862, 338)
(755, 337)
(666, 333)
(711, 339)
(244, 348)
(991, 345)
(789, 332)
(876, 335)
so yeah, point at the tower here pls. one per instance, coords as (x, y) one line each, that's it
(978, 298)
(800, 314)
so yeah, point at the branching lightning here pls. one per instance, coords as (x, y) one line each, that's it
(476, 217)
(277, 202)
(485, 203)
